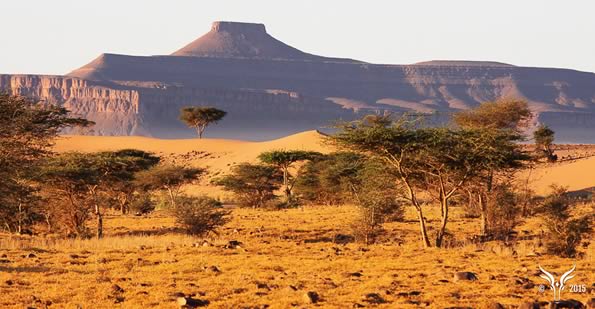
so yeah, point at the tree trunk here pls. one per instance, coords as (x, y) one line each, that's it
(99, 221)
(287, 190)
(444, 210)
(98, 213)
(123, 201)
(422, 226)
(20, 219)
(483, 228)
(172, 198)
(422, 221)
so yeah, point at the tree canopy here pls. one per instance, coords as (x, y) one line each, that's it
(199, 117)
(544, 139)
(502, 114)
(284, 159)
(167, 177)
(253, 184)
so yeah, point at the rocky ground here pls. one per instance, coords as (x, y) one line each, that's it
(280, 259)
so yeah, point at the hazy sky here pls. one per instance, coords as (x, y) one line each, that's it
(57, 36)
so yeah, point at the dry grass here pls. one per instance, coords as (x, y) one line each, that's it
(284, 254)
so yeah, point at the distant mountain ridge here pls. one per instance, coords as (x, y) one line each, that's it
(271, 89)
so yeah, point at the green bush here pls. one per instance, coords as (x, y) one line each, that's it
(199, 215)
(252, 184)
(564, 232)
(329, 180)
(142, 204)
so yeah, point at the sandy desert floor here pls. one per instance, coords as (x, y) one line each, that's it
(143, 262)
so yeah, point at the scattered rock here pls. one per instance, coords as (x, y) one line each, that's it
(529, 305)
(189, 302)
(465, 276)
(343, 239)
(569, 304)
(202, 244)
(406, 294)
(373, 298)
(356, 274)
(239, 290)
(3, 256)
(358, 305)
(31, 255)
(495, 306)
(312, 297)
(233, 244)
(9, 282)
(116, 289)
(262, 286)
(212, 269)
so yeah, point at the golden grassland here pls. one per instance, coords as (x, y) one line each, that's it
(283, 255)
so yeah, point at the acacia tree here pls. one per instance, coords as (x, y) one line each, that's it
(253, 184)
(439, 161)
(284, 160)
(27, 131)
(506, 119)
(544, 139)
(72, 179)
(170, 178)
(122, 188)
(396, 144)
(81, 179)
(199, 117)
(452, 158)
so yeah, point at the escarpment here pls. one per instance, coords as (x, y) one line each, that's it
(270, 89)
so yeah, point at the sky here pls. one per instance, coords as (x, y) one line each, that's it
(55, 37)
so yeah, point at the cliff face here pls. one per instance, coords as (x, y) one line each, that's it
(271, 89)
(132, 108)
(115, 110)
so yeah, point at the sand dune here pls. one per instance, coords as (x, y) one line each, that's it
(219, 155)
(576, 176)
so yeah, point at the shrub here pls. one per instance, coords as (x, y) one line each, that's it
(376, 189)
(199, 215)
(252, 184)
(367, 226)
(142, 203)
(564, 233)
(375, 194)
(329, 179)
(503, 211)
